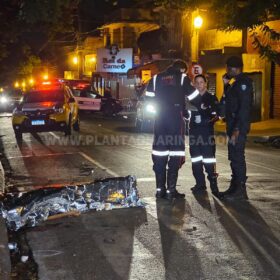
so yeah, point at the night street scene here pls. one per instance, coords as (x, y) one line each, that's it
(140, 140)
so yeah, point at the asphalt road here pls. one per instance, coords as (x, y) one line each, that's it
(197, 238)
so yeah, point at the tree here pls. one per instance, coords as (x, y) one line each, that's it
(239, 15)
(32, 25)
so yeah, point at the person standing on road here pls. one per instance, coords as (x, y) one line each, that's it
(169, 89)
(236, 103)
(201, 136)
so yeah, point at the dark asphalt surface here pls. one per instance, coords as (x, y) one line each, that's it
(197, 238)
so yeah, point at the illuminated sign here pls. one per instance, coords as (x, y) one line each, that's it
(114, 60)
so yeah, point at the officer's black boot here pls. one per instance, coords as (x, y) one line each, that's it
(160, 183)
(171, 192)
(231, 188)
(239, 193)
(214, 186)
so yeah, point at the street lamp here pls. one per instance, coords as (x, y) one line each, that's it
(75, 60)
(197, 24)
(198, 21)
(31, 81)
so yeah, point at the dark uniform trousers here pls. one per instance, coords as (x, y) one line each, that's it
(202, 151)
(169, 142)
(236, 156)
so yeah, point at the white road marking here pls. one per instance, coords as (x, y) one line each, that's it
(99, 164)
(54, 135)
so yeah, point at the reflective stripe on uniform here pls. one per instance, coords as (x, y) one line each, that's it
(158, 190)
(197, 159)
(182, 79)
(150, 94)
(209, 160)
(160, 153)
(177, 153)
(193, 95)
(154, 81)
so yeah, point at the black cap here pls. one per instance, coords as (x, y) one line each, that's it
(180, 64)
(234, 61)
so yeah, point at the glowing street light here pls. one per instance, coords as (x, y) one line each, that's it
(75, 60)
(16, 84)
(31, 81)
(45, 76)
(198, 21)
(23, 84)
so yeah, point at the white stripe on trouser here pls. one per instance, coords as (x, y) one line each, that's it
(209, 160)
(168, 153)
(158, 189)
(154, 81)
(177, 153)
(193, 95)
(197, 159)
(150, 94)
(182, 79)
(160, 153)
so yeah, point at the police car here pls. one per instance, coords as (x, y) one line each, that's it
(49, 107)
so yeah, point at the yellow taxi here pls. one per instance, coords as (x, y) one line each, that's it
(48, 107)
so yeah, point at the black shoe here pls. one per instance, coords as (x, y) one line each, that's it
(231, 188)
(239, 193)
(214, 186)
(174, 195)
(171, 192)
(198, 189)
(160, 183)
(161, 193)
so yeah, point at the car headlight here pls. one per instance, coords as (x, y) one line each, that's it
(3, 99)
(151, 108)
(59, 110)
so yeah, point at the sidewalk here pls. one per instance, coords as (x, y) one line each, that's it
(263, 129)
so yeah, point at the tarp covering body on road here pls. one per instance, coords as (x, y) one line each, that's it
(31, 208)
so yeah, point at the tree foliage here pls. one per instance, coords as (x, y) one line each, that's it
(31, 24)
(240, 14)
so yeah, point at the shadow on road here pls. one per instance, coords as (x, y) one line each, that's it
(203, 200)
(93, 246)
(171, 220)
(251, 234)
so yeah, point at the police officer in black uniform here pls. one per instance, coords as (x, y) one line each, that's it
(237, 102)
(201, 136)
(169, 89)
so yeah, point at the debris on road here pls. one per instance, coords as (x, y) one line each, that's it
(31, 208)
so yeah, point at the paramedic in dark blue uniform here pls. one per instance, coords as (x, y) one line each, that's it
(237, 102)
(169, 90)
(201, 136)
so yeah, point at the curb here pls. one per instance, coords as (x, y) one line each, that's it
(2, 178)
(5, 261)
